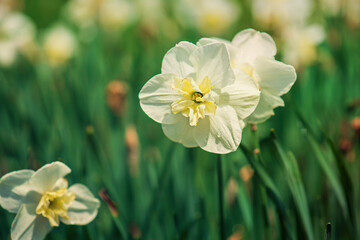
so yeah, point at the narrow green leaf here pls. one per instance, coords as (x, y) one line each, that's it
(330, 173)
(296, 186)
(272, 192)
(245, 206)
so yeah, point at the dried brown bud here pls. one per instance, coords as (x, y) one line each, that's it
(345, 145)
(246, 173)
(116, 97)
(355, 124)
(231, 191)
(135, 231)
(236, 235)
(110, 203)
(132, 145)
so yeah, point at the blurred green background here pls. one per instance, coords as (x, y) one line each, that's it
(70, 74)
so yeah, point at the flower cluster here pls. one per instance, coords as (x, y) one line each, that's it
(291, 20)
(206, 93)
(42, 199)
(212, 17)
(17, 37)
(110, 14)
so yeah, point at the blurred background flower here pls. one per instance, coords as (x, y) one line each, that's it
(300, 44)
(211, 17)
(111, 15)
(279, 14)
(59, 45)
(17, 36)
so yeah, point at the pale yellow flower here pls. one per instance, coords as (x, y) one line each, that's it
(59, 45)
(17, 35)
(115, 14)
(300, 47)
(211, 17)
(111, 15)
(277, 14)
(42, 199)
(84, 13)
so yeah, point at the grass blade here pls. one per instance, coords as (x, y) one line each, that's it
(272, 191)
(296, 186)
(330, 173)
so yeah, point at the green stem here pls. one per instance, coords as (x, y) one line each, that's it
(262, 191)
(220, 193)
(164, 179)
(120, 227)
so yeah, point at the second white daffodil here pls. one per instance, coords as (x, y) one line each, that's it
(253, 52)
(199, 99)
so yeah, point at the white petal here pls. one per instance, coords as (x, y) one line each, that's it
(220, 133)
(45, 178)
(176, 60)
(231, 49)
(84, 208)
(264, 109)
(13, 189)
(207, 41)
(41, 228)
(213, 61)
(251, 44)
(156, 96)
(29, 226)
(61, 183)
(275, 77)
(181, 131)
(243, 95)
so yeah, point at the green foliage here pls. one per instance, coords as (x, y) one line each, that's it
(302, 180)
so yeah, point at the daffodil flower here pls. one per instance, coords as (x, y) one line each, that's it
(253, 52)
(17, 35)
(59, 45)
(42, 199)
(198, 99)
(211, 17)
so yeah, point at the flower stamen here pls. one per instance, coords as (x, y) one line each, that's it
(196, 101)
(54, 205)
(197, 97)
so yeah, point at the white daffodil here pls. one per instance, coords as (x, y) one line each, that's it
(197, 98)
(300, 49)
(83, 12)
(17, 35)
(209, 16)
(59, 45)
(253, 52)
(42, 199)
(277, 14)
(116, 14)
(112, 15)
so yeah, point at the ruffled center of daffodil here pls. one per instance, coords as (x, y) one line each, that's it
(196, 101)
(54, 205)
